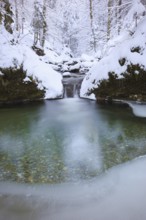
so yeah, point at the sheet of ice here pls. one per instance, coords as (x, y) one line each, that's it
(138, 109)
(118, 194)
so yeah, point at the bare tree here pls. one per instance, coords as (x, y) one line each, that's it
(109, 19)
(23, 16)
(44, 24)
(119, 15)
(92, 25)
(16, 16)
(39, 23)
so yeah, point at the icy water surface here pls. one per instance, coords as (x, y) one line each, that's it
(120, 194)
(66, 140)
(53, 158)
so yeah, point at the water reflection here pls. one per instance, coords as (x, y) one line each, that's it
(66, 140)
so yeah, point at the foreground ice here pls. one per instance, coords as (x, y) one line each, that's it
(138, 109)
(120, 194)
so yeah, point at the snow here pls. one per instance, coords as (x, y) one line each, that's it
(36, 67)
(69, 23)
(75, 67)
(118, 194)
(1, 74)
(69, 33)
(49, 78)
(86, 64)
(85, 57)
(138, 109)
(135, 13)
(27, 79)
(91, 96)
(110, 62)
(65, 68)
(66, 74)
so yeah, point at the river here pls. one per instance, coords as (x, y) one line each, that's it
(59, 155)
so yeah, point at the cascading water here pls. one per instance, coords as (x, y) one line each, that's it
(72, 86)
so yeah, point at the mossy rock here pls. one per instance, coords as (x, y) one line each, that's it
(13, 87)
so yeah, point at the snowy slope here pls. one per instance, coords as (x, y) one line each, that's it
(69, 22)
(110, 63)
(69, 28)
(17, 54)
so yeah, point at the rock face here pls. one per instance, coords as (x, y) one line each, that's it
(16, 87)
(131, 86)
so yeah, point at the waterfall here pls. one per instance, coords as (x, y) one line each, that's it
(76, 91)
(72, 87)
(71, 91)
(65, 92)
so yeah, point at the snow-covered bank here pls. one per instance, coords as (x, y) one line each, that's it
(131, 51)
(48, 70)
(13, 55)
(117, 195)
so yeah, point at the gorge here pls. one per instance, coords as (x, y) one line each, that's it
(72, 110)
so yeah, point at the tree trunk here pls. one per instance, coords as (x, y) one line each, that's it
(92, 27)
(44, 25)
(16, 16)
(119, 15)
(109, 20)
(23, 16)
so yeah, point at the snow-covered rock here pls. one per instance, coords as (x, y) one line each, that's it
(87, 58)
(75, 68)
(73, 65)
(66, 74)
